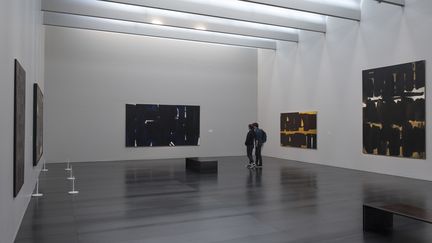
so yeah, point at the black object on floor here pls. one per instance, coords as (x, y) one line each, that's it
(202, 165)
(379, 216)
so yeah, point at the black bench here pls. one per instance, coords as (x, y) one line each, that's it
(202, 165)
(379, 216)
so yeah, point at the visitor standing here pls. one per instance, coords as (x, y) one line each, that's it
(250, 141)
(260, 139)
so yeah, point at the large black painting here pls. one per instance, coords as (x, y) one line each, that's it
(150, 125)
(299, 129)
(37, 124)
(394, 110)
(19, 126)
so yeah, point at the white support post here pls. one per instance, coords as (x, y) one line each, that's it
(68, 165)
(73, 188)
(71, 177)
(37, 194)
(44, 168)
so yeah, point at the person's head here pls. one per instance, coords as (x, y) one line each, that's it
(250, 126)
(255, 124)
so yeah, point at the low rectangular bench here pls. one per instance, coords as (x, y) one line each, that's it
(379, 216)
(202, 165)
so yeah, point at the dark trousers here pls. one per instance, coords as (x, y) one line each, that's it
(258, 157)
(249, 149)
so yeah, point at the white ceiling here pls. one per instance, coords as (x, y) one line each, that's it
(250, 23)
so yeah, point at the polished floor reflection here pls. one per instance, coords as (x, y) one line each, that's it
(158, 201)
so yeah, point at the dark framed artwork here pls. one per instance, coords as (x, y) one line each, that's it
(151, 125)
(37, 124)
(394, 109)
(19, 126)
(299, 129)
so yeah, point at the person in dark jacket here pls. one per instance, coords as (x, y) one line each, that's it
(250, 141)
(259, 141)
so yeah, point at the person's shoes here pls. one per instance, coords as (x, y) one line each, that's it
(250, 164)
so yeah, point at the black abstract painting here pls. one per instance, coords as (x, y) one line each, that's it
(19, 126)
(394, 110)
(150, 125)
(299, 129)
(37, 124)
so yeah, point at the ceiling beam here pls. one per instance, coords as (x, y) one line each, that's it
(137, 14)
(333, 10)
(235, 10)
(394, 2)
(124, 27)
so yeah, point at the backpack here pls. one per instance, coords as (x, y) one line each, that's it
(261, 136)
(264, 136)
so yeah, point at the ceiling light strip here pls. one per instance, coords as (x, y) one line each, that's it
(137, 14)
(124, 27)
(323, 8)
(219, 9)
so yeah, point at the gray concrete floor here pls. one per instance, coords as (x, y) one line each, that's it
(158, 201)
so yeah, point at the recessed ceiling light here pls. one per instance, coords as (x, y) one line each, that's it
(200, 27)
(157, 21)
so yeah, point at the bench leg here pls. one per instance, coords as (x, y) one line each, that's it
(376, 220)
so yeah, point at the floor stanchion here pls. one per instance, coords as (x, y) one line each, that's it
(71, 177)
(37, 194)
(73, 188)
(68, 167)
(44, 168)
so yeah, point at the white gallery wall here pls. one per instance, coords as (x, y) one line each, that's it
(21, 37)
(324, 73)
(92, 75)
